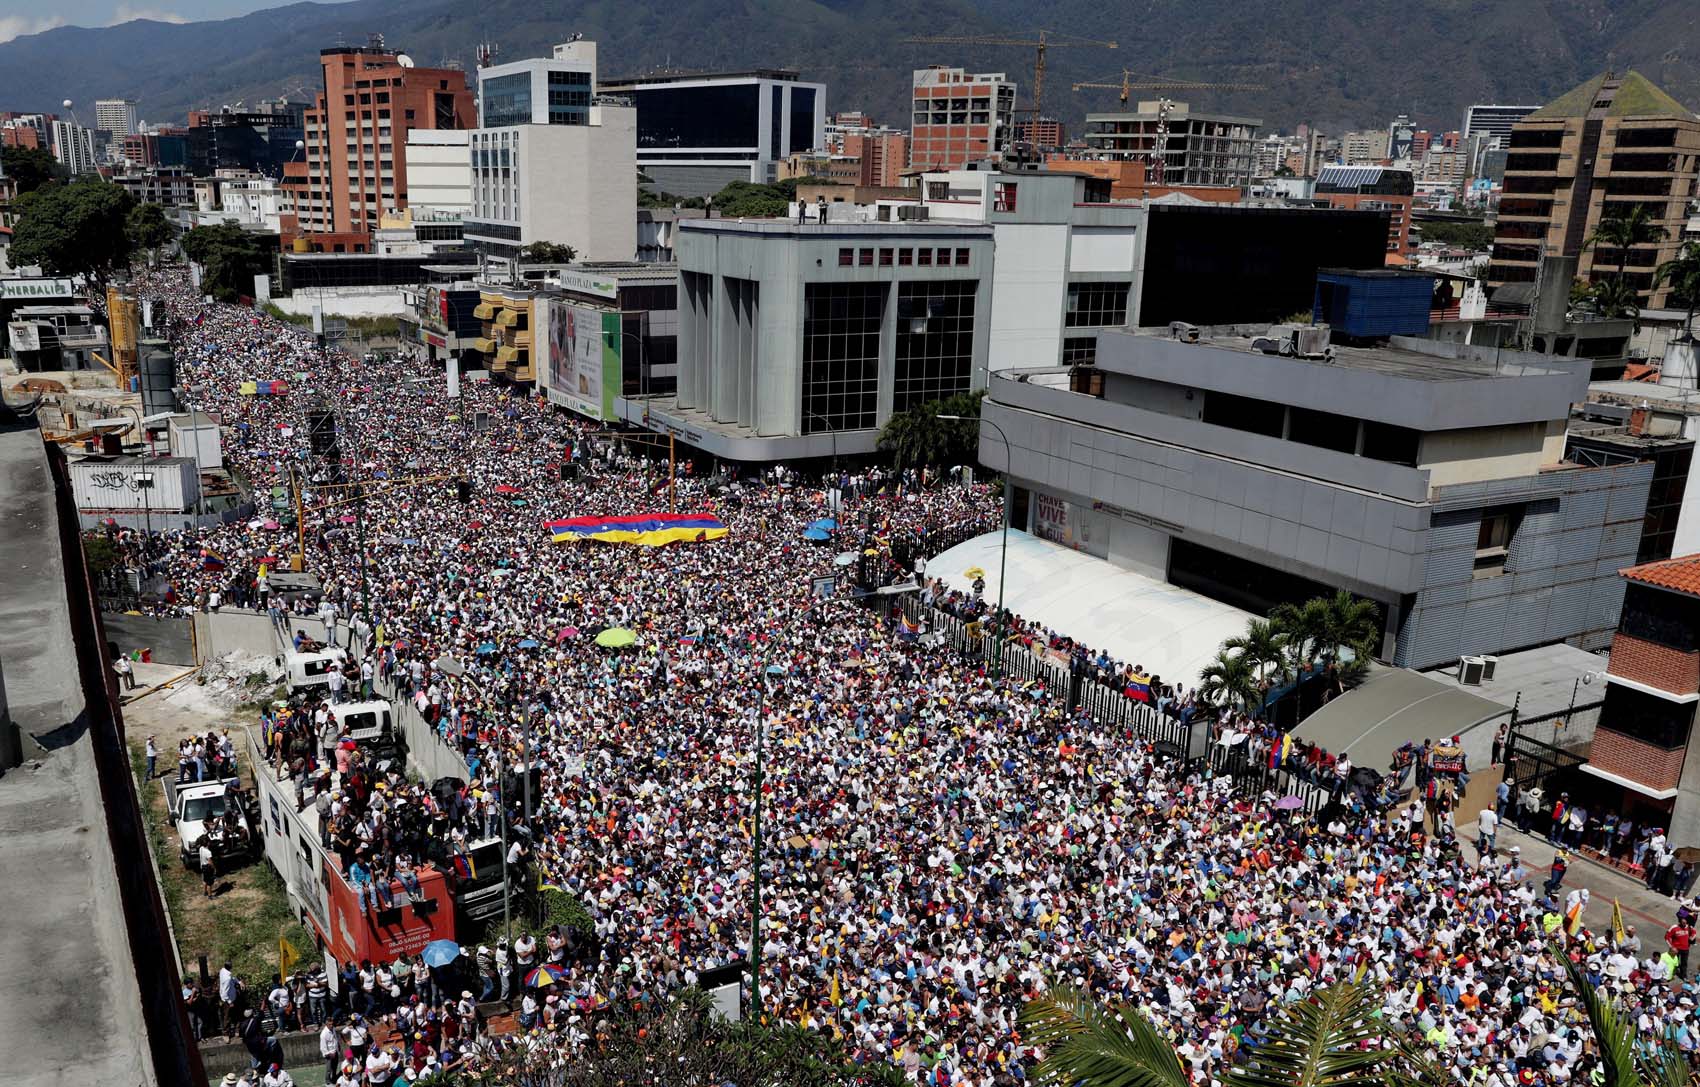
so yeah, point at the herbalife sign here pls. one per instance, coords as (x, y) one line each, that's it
(15, 290)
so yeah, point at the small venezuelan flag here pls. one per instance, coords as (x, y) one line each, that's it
(1139, 687)
(643, 529)
(212, 560)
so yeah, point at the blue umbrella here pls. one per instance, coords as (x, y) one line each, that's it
(441, 952)
(486, 649)
(817, 534)
(528, 643)
(776, 669)
(825, 523)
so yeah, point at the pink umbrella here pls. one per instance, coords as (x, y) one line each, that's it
(566, 632)
(347, 518)
(270, 526)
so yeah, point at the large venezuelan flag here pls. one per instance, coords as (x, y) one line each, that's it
(1139, 687)
(644, 529)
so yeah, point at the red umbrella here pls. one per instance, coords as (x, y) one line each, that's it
(505, 488)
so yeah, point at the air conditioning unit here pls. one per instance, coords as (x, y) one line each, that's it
(1296, 341)
(913, 213)
(1470, 671)
(1488, 666)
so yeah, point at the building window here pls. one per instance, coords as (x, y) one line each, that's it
(1080, 350)
(841, 354)
(961, 257)
(846, 258)
(866, 257)
(507, 100)
(885, 258)
(1493, 539)
(938, 190)
(1003, 196)
(935, 341)
(924, 257)
(905, 257)
(1096, 305)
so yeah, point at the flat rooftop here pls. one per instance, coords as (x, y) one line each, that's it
(1402, 357)
(67, 984)
(788, 226)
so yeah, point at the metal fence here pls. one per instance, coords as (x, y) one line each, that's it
(1253, 774)
(1571, 729)
(1536, 765)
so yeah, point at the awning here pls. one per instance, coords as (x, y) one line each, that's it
(484, 311)
(507, 354)
(1628, 783)
(1393, 707)
(508, 318)
(484, 345)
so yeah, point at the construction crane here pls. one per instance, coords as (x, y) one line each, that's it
(1160, 143)
(1046, 39)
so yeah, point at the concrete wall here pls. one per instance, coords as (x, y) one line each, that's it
(232, 629)
(1029, 291)
(569, 178)
(1481, 453)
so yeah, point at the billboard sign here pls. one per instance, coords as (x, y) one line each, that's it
(19, 290)
(584, 359)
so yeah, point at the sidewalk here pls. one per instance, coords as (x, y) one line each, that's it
(151, 678)
(1651, 913)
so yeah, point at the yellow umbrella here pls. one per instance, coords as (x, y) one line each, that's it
(973, 572)
(871, 551)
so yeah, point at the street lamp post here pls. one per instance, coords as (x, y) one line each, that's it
(833, 431)
(1003, 558)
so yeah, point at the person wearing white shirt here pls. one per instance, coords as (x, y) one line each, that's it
(328, 1049)
(1488, 823)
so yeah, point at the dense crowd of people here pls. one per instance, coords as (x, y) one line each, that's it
(939, 843)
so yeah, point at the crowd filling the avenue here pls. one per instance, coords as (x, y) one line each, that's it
(940, 843)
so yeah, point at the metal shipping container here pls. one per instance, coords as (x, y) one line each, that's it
(114, 484)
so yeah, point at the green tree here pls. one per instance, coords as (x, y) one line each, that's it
(1625, 1061)
(77, 229)
(1349, 622)
(1622, 232)
(918, 437)
(149, 229)
(751, 201)
(1335, 1038)
(666, 200)
(1474, 236)
(1263, 646)
(1613, 298)
(100, 554)
(1682, 272)
(1229, 680)
(548, 253)
(1301, 629)
(30, 167)
(230, 258)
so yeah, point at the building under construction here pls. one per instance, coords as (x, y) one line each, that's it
(1179, 146)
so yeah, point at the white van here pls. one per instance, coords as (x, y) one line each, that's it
(309, 671)
(371, 725)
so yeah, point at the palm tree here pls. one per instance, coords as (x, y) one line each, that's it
(1350, 622)
(1614, 298)
(1333, 1039)
(1682, 272)
(1662, 1065)
(1302, 628)
(1229, 679)
(1263, 646)
(1623, 232)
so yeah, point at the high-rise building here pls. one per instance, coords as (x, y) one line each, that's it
(356, 133)
(553, 161)
(1595, 153)
(1043, 134)
(116, 115)
(1366, 148)
(698, 133)
(1495, 121)
(73, 146)
(1201, 149)
(959, 117)
(1401, 136)
(882, 152)
(261, 141)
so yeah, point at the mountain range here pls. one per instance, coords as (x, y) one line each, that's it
(1336, 65)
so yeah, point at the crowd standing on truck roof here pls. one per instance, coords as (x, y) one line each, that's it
(939, 844)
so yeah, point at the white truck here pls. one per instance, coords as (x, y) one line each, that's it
(206, 809)
(371, 725)
(312, 671)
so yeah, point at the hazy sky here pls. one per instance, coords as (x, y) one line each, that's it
(19, 17)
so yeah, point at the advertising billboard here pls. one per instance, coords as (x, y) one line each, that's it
(584, 359)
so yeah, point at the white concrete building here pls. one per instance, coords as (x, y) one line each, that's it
(251, 200)
(439, 171)
(116, 115)
(73, 146)
(1065, 267)
(569, 179)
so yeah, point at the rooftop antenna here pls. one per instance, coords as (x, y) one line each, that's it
(375, 41)
(487, 52)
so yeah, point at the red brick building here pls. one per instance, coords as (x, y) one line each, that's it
(356, 134)
(959, 117)
(1653, 686)
(883, 156)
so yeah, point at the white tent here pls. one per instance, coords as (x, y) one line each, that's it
(1171, 631)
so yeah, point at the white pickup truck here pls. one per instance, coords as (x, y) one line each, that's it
(203, 808)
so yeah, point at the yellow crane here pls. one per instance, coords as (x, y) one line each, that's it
(1160, 143)
(1046, 39)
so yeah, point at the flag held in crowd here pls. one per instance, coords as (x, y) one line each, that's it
(212, 560)
(1139, 687)
(643, 529)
